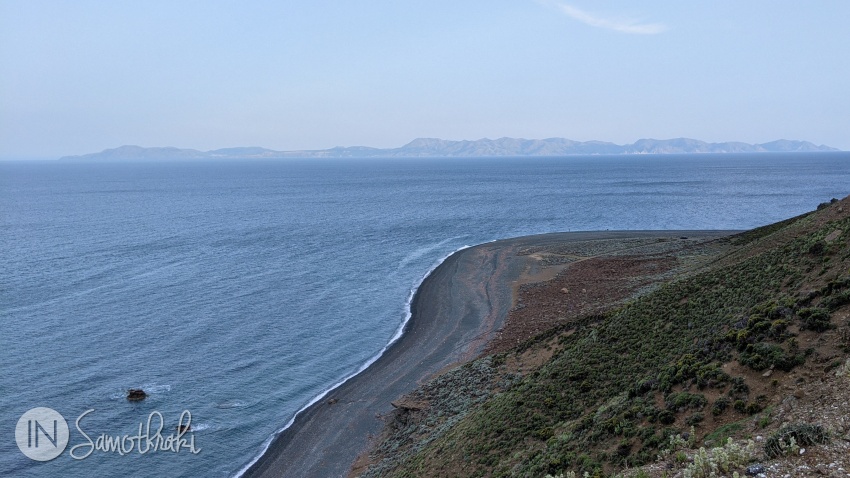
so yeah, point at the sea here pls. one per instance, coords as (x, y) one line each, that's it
(236, 293)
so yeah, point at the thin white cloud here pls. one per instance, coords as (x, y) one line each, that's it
(623, 25)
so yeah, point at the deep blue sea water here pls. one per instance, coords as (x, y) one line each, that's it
(240, 291)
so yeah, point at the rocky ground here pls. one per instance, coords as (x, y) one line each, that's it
(825, 401)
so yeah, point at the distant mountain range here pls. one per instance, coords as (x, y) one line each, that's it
(431, 147)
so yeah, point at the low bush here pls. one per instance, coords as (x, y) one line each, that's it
(762, 356)
(695, 419)
(721, 460)
(720, 406)
(685, 400)
(814, 318)
(789, 436)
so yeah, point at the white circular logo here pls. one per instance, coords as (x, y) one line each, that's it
(42, 433)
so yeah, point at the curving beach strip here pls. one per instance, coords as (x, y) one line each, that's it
(456, 310)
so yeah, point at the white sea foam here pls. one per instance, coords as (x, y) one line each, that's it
(200, 427)
(424, 250)
(155, 388)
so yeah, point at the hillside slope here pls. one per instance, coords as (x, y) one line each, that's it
(736, 348)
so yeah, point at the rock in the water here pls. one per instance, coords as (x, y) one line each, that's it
(184, 428)
(136, 394)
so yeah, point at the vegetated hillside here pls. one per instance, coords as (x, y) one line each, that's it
(720, 352)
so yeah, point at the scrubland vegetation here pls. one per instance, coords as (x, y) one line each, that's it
(693, 360)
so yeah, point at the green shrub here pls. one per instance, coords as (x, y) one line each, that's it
(826, 204)
(624, 449)
(695, 419)
(778, 329)
(816, 248)
(684, 400)
(740, 406)
(720, 406)
(797, 434)
(763, 356)
(721, 460)
(666, 417)
(814, 318)
(739, 388)
(833, 302)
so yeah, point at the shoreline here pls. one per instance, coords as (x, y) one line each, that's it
(395, 338)
(455, 311)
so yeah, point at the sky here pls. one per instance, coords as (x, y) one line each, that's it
(82, 76)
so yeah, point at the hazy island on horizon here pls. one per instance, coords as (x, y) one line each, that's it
(432, 147)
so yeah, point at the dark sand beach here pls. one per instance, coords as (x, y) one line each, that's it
(456, 311)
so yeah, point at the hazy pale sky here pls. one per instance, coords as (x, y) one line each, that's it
(82, 76)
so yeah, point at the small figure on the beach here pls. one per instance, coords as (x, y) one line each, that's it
(136, 394)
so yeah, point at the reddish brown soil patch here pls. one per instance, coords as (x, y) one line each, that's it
(585, 287)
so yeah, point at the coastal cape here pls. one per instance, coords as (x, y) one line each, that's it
(458, 311)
